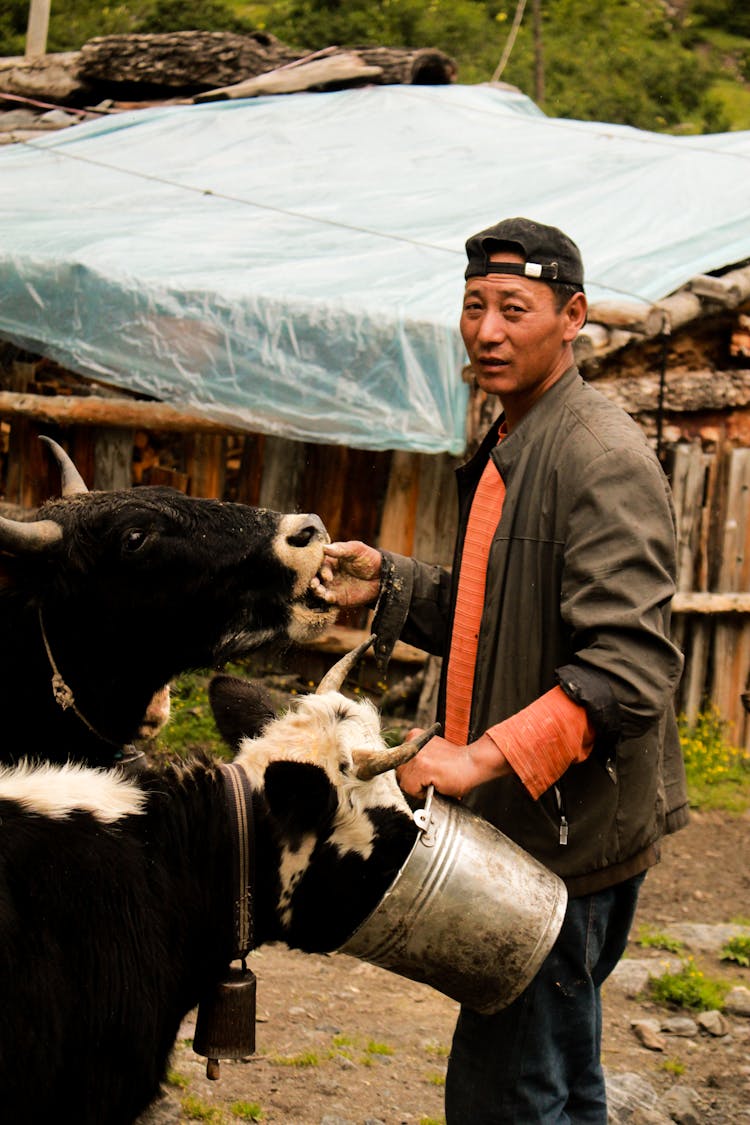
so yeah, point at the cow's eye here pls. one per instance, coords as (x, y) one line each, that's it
(134, 539)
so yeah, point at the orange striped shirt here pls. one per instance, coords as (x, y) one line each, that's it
(553, 732)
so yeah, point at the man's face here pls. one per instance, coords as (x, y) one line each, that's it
(517, 342)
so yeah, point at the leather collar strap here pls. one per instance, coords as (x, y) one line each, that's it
(240, 803)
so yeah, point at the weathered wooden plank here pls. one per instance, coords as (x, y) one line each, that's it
(251, 469)
(731, 655)
(398, 524)
(692, 693)
(283, 466)
(206, 464)
(30, 469)
(93, 410)
(710, 604)
(688, 490)
(113, 459)
(437, 509)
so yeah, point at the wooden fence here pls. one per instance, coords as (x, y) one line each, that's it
(712, 605)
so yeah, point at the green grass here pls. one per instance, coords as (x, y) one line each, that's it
(718, 773)
(734, 101)
(737, 949)
(652, 939)
(673, 1066)
(306, 1058)
(196, 1110)
(176, 1080)
(246, 1111)
(690, 988)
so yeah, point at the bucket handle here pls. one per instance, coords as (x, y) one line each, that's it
(423, 819)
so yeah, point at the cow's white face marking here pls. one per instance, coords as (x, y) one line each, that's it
(306, 620)
(59, 791)
(323, 730)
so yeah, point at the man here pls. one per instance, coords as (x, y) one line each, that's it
(557, 686)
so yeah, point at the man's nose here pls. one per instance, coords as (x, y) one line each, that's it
(491, 328)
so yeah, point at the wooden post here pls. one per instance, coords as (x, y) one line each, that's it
(113, 459)
(283, 465)
(400, 510)
(206, 465)
(732, 638)
(688, 488)
(30, 469)
(251, 469)
(37, 28)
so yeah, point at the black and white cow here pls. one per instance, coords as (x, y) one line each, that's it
(116, 903)
(108, 595)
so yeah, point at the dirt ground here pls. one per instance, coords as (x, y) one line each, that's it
(340, 1041)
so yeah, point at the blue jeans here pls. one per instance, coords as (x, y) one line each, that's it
(537, 1062)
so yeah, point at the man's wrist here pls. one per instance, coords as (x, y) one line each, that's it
(489, 759)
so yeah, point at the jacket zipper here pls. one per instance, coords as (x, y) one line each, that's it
(562, 816)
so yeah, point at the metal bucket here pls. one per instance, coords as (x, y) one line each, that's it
(469, 913)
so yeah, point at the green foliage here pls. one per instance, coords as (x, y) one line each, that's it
(718, 773)
(177, 1080)
(673, 1066)
(191, 725)
(727, 14)
(689, 988)
(737, 949)
(192, 15)
(633, 62)
(196, 1110)
(374, 1048)
(651, 939)
(247, 1111)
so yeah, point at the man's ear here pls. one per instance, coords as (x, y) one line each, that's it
(575, 312)
(300, 796)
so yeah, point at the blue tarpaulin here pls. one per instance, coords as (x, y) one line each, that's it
(294, 265)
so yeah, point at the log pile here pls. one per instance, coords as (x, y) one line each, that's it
(180, 60)
(189, 63)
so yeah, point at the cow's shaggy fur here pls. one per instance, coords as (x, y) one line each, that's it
(144, 583)
(116, 906)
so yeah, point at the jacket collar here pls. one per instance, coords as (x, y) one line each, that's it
(544, 412)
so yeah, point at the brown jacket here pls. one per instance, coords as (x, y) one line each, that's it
(579, 583)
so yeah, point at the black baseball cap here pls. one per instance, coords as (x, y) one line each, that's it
(550, 255)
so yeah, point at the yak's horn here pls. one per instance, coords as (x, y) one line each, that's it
(335, 676)
(370, 763)
(73, 483)
(18, 538)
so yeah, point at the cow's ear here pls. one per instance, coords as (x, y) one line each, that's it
(241, 709)
(300, 796)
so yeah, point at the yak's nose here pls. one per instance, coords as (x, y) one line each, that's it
(302, 530)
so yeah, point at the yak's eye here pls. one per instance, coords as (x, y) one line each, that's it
(134, 539)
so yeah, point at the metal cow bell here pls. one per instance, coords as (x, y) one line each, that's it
(225, 1028)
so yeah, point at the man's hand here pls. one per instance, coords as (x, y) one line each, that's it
(350, 575)
(453, 770)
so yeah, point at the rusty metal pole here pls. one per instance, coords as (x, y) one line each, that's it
(37, 28)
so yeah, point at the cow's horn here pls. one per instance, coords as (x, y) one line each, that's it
(20, 538)
(73, 483)
(370, 763)
(335, 676)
